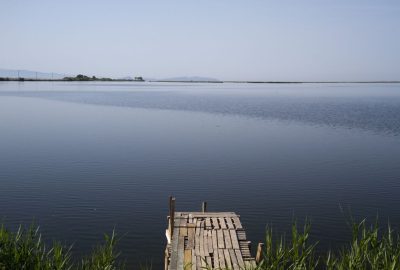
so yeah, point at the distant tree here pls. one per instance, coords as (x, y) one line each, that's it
(81, 77)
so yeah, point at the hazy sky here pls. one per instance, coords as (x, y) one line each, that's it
(225, 39)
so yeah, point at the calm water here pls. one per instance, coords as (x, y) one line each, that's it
(82, 158)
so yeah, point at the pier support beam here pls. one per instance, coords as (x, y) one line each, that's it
(171, 215)
(259, 255)
(204, 207)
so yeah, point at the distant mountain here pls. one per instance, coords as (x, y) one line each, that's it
(29, 74)
(190, 79)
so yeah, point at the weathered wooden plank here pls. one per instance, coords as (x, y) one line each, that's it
(216, 259)
(235, 264)
(228, 261)
(198, 262)
(190, 233)
(210, 242)
(203, 262)
(250, 264)
(229, 223)
(198, 226)
(239, 258)
(208, 223)
(197, 245)
(183, 228)
(181, 254)
(209, 262)
(215, 223)
(235, 242)
(201, 240)
(187, 261)
(214, 241)
(210, 214)
(245, 249)
(222, 223)
(205, 243)
(220, 237)
(227, 238)
(238, 224)
(193, 266)
(221, 258)
(241, 235)
(174, 244)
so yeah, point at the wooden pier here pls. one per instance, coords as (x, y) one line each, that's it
(206, 240)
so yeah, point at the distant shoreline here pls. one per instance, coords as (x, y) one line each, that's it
(174, 81)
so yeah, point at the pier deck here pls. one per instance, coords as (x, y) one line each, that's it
(207, 240)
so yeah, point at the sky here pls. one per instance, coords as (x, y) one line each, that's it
(226, 39)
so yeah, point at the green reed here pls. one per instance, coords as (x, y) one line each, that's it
(369, 248)
(25, 249)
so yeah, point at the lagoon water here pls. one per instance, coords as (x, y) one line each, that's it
(80, 159)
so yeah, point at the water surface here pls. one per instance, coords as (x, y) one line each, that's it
(83, 158)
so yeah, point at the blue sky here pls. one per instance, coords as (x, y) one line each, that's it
(225, 39)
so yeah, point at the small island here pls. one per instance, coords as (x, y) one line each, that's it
(81, 77)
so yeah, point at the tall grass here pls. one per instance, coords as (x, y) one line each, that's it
(369, 248)
(296, 254)
(25, 249)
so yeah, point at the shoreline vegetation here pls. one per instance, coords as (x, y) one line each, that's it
(369, 248)
(79, 77)
(84, 78)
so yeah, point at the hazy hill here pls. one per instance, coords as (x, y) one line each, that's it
(191, 79)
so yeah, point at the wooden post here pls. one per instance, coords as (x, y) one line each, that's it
(166, 259)
(204, 207)
(171, 215)
(259, 252)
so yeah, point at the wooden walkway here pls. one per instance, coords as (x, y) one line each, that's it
(206, 240)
